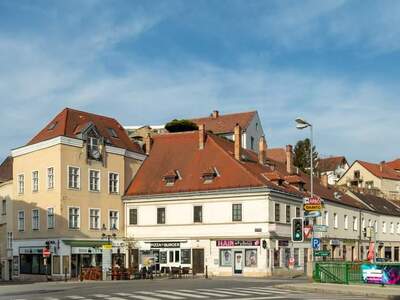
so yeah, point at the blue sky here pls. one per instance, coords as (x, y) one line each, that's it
(146, 62)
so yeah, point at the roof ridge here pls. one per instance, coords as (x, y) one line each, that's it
(229, 114)
(90, 113)
(237, 162)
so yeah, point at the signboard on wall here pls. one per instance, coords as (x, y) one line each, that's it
(154, 245)
(237, 243)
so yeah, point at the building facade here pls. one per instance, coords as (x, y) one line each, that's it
(333, 167)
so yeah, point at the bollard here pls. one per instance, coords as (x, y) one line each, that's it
(206, 272)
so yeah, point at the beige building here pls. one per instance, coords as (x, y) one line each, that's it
(68, 183)
(376, 179)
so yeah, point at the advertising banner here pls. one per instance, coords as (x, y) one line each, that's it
(381, 274)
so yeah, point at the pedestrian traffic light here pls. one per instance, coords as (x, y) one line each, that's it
(297, 230)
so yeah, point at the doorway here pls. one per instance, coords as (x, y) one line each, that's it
(198, 261)
(238, 262)
(10, 269)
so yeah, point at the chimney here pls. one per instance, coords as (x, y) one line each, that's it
(289, 159)
(148, 141)
(324, 180)
(381, 164)
(215, 114)
(202, 136)
(262, 150)
(238, 142)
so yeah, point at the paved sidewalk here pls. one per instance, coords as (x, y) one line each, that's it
(369, 291)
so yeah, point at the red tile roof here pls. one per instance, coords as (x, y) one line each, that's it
(330, 163)
(6, 171)
(226, 123)
(70, 122)
(394, 164)
(277, 154)
(380, 171)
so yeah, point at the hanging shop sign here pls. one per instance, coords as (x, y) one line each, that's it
(312, 214)
(237, 243)
(312, 204)
(31, 250)
(86, 250)
(154, 245)
(334, 242)
(320, 228)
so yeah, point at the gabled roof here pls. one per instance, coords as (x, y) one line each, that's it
(330, 163)
(394, 164)
(70, 122)
(380, 171)
(226, 123)
(277, 154)
(6, 171)
(380, 205)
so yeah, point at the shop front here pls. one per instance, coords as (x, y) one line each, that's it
(32, 262)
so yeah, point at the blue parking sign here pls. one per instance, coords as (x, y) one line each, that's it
(316, 243)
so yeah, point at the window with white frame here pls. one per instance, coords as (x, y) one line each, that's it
(50, 178)
(326, 216)
(369, 223)
(391, 227)
(376, 226)
(35, 219)
(35, 181)
(21, 220)
(355, 223)
(94, 180)
(113, 183)
(113, 219)
(346, 222)
(363, 223)
(74, 218)
(94, 218)
(335, 220)
(74, 177)
(9, 240)
(4, 207)
(398, 228)
(50, 218)
(133, 216)
(21, 183)
(383, 227)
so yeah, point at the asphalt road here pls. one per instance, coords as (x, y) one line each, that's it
(164, 289)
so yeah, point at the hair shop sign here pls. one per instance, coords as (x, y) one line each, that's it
(237, 243)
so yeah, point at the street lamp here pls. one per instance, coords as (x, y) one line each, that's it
(302, 124)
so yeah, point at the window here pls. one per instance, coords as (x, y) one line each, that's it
(56, 264)
(74, 178)
(177, 255)
(357, 174)
(94, 214)
(171, 256)
(335, 220)
(21, 183)
(113, 183)
(161, 215)
(277, 212)
(256, 126)
(376, 226)
(251, 258)
(74, 218)
(50, 218)
(252, 143)
(35, 219)
(398, 228)
(383, 227)
(197, 214)
(297, 212)
(236, 212)
(326, 214)
(21, 220)
(369, 184)
(346, 222)
(9, 240)
(94, 180)
(112, 132)
(133, 216)
(93, 148)
(35, 181)
(391, 227)
(50, 178)
(369, 223)
(34, 264)
(355, 223)
(225, 257)
(4, 207)
(114, 219)
(288, 214)
(363, 223)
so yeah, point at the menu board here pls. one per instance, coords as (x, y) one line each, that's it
(185, 256)
(163, 257)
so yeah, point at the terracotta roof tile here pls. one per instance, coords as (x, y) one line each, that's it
(6, 169)
(70, 122)
(226, 123)
(330, 163)
(394, 164)
(380, 171)
(277, 154)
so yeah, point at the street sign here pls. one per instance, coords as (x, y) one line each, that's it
(307, 231)
(312, 214)
(312, 207)
(107, 247)
(322, 253)
(312, 200)
(46, 252)
(320, 228)
(316, 243)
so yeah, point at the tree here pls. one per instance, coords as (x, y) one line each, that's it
(180, 125)
(302, 155)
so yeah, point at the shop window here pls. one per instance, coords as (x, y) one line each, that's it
(65, 264)
(185, 256)
(197, 214)
(251, 258)
(56, 264)
(34, 264)
(171, 256)
(177, 255)
(225, 257)
(161, 215)
(236, 212)
(277, 212)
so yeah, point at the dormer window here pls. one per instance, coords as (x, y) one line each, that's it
(296, 181)
(171, 177)
(209, 175)
(113, 133)
(93, 148)
(52, 126)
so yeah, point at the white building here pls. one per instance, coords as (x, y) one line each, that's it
(334, 167)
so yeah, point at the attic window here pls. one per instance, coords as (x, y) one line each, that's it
(52, 125)
(171, 177)
(113, 133)
(209, 175)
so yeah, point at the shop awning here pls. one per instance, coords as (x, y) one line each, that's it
(85, 243)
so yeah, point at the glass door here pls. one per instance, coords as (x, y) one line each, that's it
(238, 265)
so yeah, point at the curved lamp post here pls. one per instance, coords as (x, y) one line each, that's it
(302, 124)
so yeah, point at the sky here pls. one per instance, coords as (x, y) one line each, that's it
(334, 63)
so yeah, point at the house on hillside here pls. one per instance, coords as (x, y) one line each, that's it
(334, 167)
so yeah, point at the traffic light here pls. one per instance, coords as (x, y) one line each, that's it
(297, 230)
(47, 244)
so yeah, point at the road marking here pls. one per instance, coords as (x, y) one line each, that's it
(136, 296)
(230, 292)
(275, 289)
(115, 298)
(101, 295)
(178, 293)
(261, 291)
(159, 295)
(211, 293)
(75, 297)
